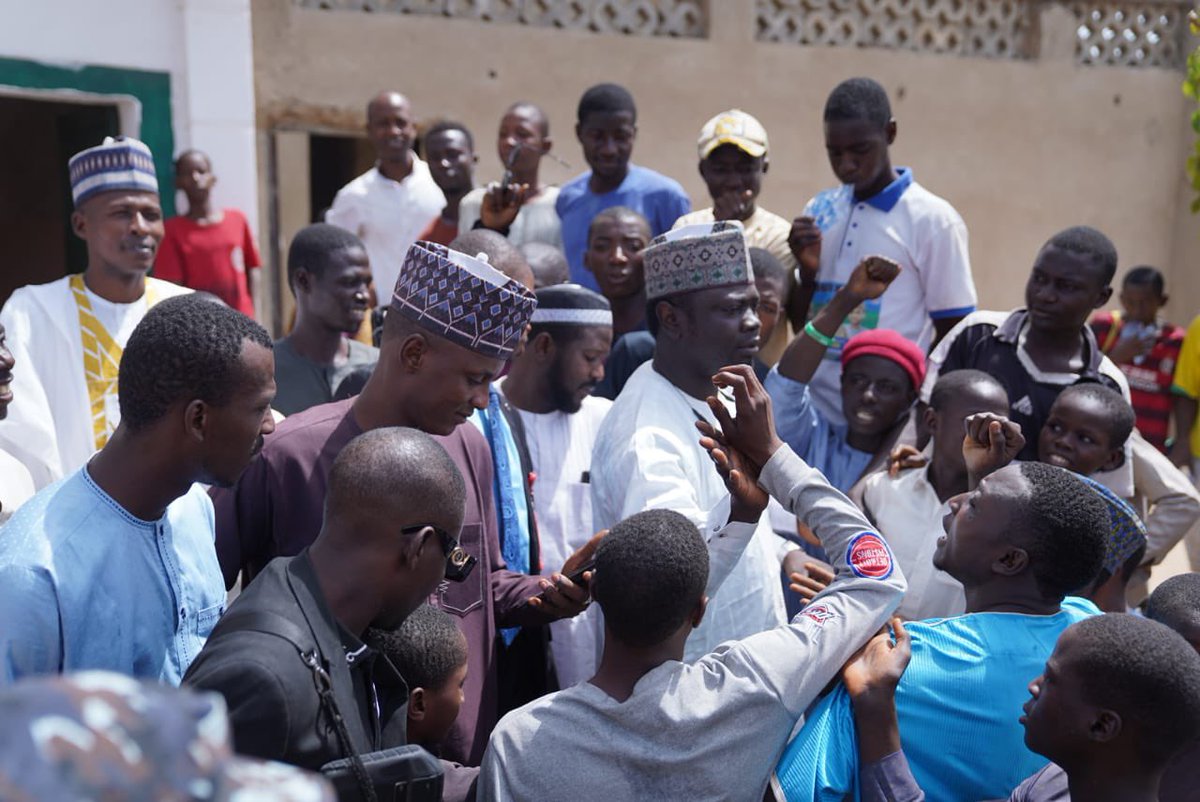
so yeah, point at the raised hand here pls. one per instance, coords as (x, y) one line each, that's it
(814, 579)
(805, 242)
(872, 277)
(752, 432)
(990, 442)
(904, 457)
(501, 204)
(747, 499)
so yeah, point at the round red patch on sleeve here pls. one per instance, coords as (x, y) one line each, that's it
(869, 557)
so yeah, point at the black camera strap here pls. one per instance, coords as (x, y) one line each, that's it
(305, 644)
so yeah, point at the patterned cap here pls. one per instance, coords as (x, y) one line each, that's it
(463, 299)
(1126, 534)
(697, 257)
(117, 163)
(733, 127)
(571, 305)
(98, 735)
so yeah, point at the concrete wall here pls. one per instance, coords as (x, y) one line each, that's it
(205, 46)
(1021, 148)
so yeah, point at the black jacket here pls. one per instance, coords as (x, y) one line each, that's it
(274, 709)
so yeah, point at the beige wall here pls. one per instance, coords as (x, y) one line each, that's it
(1021, 148)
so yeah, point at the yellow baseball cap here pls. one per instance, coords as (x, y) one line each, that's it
(733, 127)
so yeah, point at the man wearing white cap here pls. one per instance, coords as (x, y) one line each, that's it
(551, 386)
(733, 160)
(68, 335)
(702, 299)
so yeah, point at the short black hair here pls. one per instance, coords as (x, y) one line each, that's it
(548, 263)
(426, 649)
(1146, 276)
(184, 349)
(651, 571)
(1091, 243)
(1118, 414)
(765, 265)
(1176, 602)
(858, 99)
(949, 385)
(1066, 526)
(313, 245)
(605, 99)
(190, 152)
(615, 213)
(1146, 673)
(543, 119)
(443, 126)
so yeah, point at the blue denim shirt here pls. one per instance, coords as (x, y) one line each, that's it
(86, 585)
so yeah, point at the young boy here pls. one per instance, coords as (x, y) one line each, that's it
(450, 153)
(909, 508)
(607, 127)
(878, 209)
(430, 652)
(1176, 603)
(616, 238)
(1088, 427)
(771, 280)
(1146, 349)
(1117, 701)
(733, 162)
(209, 249)
(880, 374)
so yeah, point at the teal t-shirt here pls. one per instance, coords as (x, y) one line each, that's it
(958, 704)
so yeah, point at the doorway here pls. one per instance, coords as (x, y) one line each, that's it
(37, 138)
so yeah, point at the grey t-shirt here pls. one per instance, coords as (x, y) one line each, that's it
(301, 383)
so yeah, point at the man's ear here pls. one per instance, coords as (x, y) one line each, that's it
(766, 164)
(1116, 458)
(698, 611)
(542, 346)
(301, 280)
(416, 704)
(413, 352)
(929, 418)
(1106, 726)
(195, 420)
(579, 131)
(79, 224)
(670, 319)
(547, 144)
(889, 131)
(1011, 562)
(1102, 297)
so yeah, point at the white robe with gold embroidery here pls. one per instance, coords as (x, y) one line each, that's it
(49, 426)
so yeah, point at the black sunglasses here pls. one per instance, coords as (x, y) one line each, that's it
(459, 564)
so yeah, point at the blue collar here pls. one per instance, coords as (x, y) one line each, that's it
(887, 198)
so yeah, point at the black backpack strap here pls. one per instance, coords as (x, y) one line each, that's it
(305, 644)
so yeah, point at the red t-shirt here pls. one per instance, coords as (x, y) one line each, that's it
(1149, 376)
(439, 231)
(212, 258)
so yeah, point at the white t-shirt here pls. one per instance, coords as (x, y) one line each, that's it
(910, 225)
(387, 216)
(560, 447)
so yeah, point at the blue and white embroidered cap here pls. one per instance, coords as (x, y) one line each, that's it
(118, 163)
(463, 299)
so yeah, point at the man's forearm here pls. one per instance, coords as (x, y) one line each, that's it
(802, 357)
(1185, 419)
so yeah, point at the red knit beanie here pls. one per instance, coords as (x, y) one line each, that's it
(889, 345)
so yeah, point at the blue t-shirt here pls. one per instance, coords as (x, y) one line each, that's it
(659, 199)
(85, 585)
(958, 704)
(817, 440)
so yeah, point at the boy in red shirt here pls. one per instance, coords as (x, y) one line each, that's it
(209, 249)
(1145, 348)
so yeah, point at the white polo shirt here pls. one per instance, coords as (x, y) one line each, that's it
(910, 225)
(387, 216)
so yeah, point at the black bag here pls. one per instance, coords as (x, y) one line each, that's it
(403, 774)
(400, 774)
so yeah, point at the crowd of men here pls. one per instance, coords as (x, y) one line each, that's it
(575, 492)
